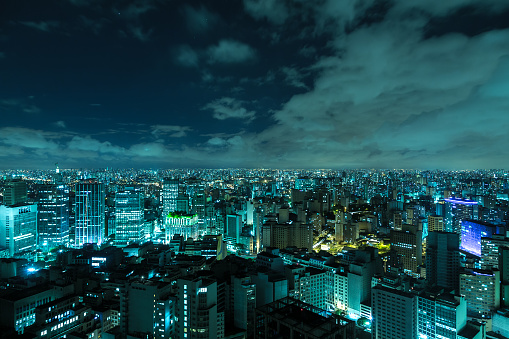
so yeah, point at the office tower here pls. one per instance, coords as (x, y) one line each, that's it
(89, 213)
(243, 302)
(150, 309)
(503, 266)
(182, 203)
(18, 228)
(440, 315)
(18, 308)
(292, 318)
(53, 215)
(129, 209)
(233, 227)
(200, 204)
(407, 243)
(292, 234)
(490, 250)
(481, 289)
(443, 259)
(394, 314)
(170, 193)
(362, 266)
(473, 231)
(197, 309)
(15, 192)
(184, 224)
(457, 210)
(435, 223)
(398, 221)
(311, 287)
(258, 216)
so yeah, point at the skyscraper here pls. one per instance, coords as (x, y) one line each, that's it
(18, 228)
(394, 314)
(53, 215)
(443, 259)
(129, 209)
(89, 211)
(169, 195)
(457, 210)
(473, 231)
(408, 244)
(481, 289)
(15, 192)
(197, 309)
(435, 223)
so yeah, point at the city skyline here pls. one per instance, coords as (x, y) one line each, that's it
(254, 84)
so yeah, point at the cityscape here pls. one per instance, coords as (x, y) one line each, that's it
(248, 169)
(260, 253)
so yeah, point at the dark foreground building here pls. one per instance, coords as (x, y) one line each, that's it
(290, 318)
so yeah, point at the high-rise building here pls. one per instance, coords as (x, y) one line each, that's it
(481, 289)
(435, 223)
(440, 315)
(53, 215)
(170, 193)
(18, 228)
(150, 309)
(443, 259)
(473, 231)
(407, 243)
(15, 192)
(89, 213)
(503, 266)
(457, 210)
(394, 314)
(284, 235)
(233, 227)
(129, 209)
(197, 309)
(490, 248)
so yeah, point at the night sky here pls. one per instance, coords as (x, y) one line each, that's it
(254, 83)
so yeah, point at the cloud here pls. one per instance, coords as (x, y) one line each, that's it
(87, 143)
(230, 52)
(186, 56)
(139, 33)
(135, 9)
(274, 11)
(60, 124)
(229, 108)
(45, 26)
(18, 106)
(199, 19)
(439, 8)
(170, 130)
(293, 77)
(2, 55)
(27, 138)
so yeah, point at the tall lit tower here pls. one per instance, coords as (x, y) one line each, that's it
(53, 215)
(128, 217)
(457, 210)
(15, 192)
(89, 213)
(18, 228)
(170, 195)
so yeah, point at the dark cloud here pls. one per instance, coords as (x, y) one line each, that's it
(186, 56)
(229, 108)
(230, 52)
(45, 26)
